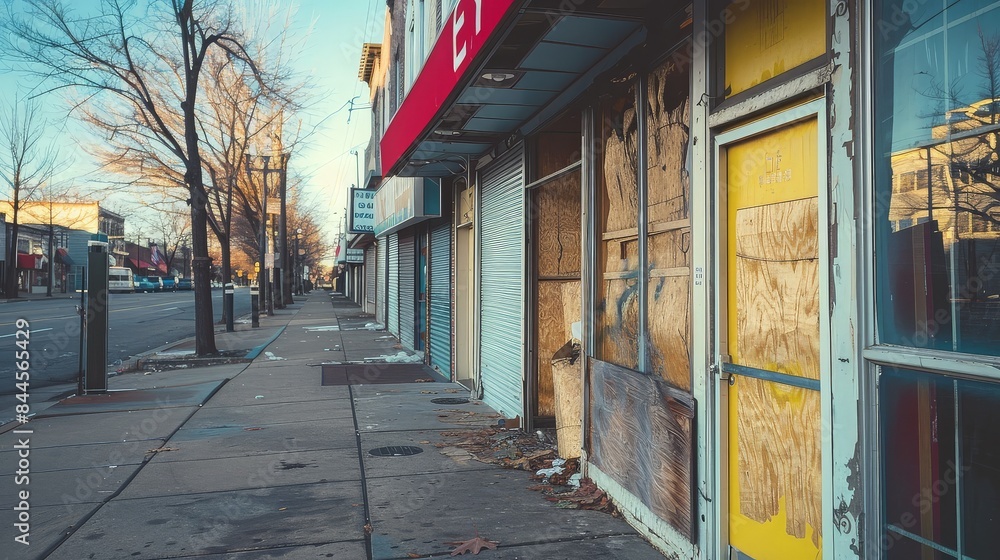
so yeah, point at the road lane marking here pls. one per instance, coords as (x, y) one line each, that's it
(32, 330)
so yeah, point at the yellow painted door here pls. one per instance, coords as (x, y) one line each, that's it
(773, 344)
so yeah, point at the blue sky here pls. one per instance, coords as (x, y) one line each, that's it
(330, 33)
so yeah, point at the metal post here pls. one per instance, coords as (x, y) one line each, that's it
(227, 301)
(284, 276)
(255, 304)
(97, 318)
(298, 270)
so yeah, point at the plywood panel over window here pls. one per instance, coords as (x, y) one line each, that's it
(617, 313)
(766, 38)
(669, 231)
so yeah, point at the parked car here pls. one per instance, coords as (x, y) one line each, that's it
(158, 282)
(184, 284)
(145, 284)
(169, 283)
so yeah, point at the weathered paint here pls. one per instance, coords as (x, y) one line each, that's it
(842, 417)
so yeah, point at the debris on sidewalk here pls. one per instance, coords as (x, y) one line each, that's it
(271, 356)
(559, 480)
(473, 545)
(403, 358)
(326, 328)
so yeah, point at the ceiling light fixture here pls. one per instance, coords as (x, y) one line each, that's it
(443, 132)
(498, 76)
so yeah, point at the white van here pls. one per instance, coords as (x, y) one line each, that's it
(120, 280)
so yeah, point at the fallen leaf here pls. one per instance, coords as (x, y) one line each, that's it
(368, 528)
(413, 555)
(424, 442)
(254, 429)
(473, 546)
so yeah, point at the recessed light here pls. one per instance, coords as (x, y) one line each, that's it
(443, 132)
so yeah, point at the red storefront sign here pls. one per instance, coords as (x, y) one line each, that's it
(463, 36)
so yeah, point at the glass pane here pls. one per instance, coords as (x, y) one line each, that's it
(668, 111)
(937, 174)
(979, 404)
(918, 450)
(617, 310)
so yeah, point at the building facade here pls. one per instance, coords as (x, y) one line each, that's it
(773, 226)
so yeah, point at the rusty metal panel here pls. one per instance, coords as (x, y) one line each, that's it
(642, 435)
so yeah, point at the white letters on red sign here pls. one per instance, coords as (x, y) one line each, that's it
(460, 46)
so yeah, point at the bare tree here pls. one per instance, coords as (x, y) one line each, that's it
(142, 69)
(28, 163)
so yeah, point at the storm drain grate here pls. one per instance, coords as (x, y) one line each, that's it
(450, 400)
(395, 451)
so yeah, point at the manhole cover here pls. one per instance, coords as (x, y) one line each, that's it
(395, 451)
(450, 400)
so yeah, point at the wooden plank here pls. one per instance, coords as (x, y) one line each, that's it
(668, 119)
(669, 272)
(662, 227)
(779, 455)
(642, 435)
(777, 285)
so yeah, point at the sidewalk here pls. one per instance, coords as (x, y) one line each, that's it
(262, 460)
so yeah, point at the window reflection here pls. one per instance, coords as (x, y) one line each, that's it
(937, 103)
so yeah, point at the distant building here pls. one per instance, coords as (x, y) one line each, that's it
(71, 225)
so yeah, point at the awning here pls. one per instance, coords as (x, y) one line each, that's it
(63, 258)
(30, 262)
(140, 264)
(502, 69)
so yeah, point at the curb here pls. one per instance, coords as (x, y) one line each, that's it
(252, 354)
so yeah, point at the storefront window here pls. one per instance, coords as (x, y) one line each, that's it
(617, 310)
(937, 174)
(669, 231)
(941, 473)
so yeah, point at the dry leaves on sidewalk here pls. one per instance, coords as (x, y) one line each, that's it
(472, 545)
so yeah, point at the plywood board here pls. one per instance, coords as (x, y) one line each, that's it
(557, 215)
(777, 287)
(642, 435)
(618, 321)
(556, 150)
(668, 118)
(670, 330)
(551, 337)
(618, 168)
(778, 446)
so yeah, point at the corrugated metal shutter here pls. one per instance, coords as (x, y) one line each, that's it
(393, 275)
(370, 279)
(407, 290)
(380, 273)
(440, 294)
(501, 292)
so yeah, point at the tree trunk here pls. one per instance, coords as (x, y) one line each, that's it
(204, 329)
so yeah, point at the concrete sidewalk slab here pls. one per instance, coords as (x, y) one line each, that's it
(419, 514)
(348, 550)
(268, 413)
(77, 486)
(241, 392)
(70, 457)
(49, 524)
(409, 407)
(270, 470)
(102, 427)
(432, 460)
(136, 399)
(219, 522)
(239, 441)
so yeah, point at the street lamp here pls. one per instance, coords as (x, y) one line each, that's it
(262, 279)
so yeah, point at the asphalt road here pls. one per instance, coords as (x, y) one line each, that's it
(138, 323)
